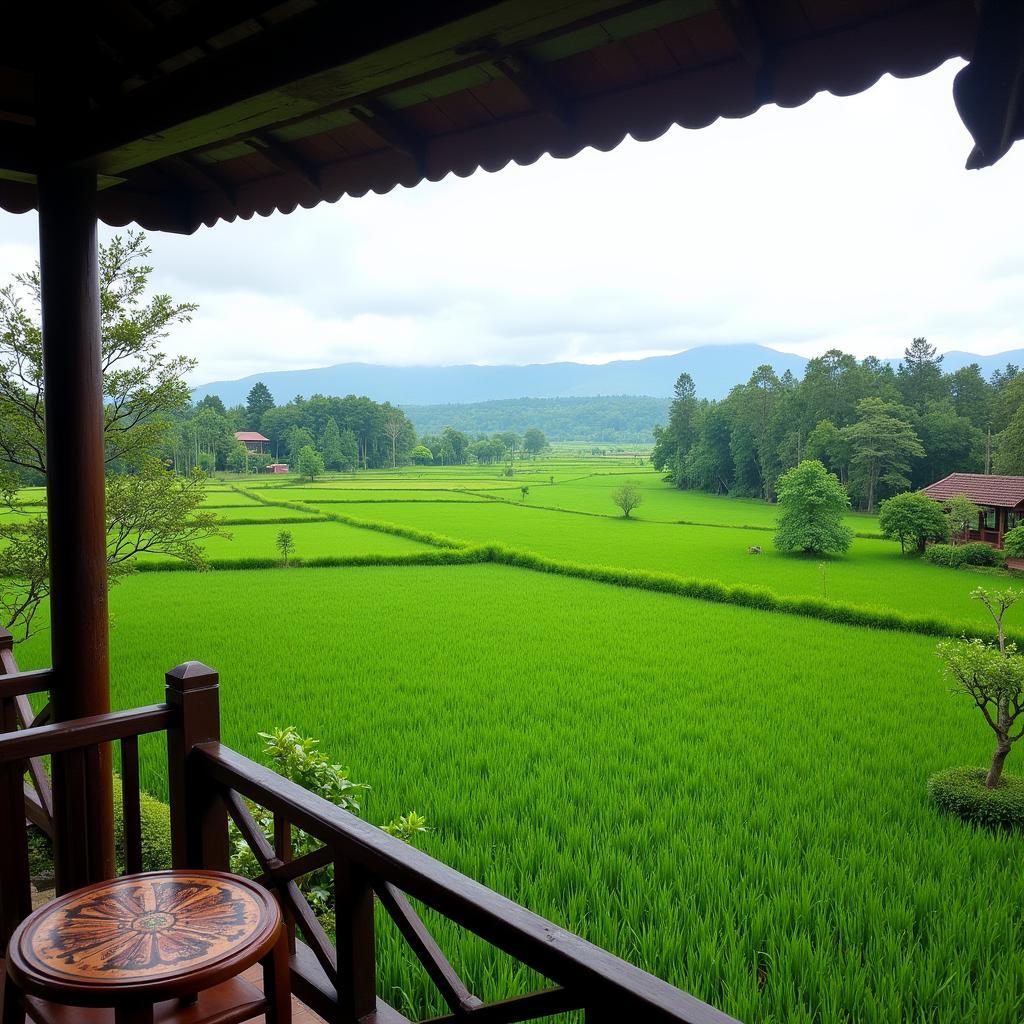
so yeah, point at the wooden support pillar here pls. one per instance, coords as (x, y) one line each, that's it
(75, 462)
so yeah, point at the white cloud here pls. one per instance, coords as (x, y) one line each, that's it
(848, 222)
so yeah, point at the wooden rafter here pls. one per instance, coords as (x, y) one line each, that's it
(388, 126)
(751, 40)
(192, 106)
(283, 156)
(535, 84)
(190, 165)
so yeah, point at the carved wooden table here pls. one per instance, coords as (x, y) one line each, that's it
(142, 948)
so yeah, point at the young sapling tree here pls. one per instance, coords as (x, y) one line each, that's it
(992, 675)
(285, 544)
(627, 497)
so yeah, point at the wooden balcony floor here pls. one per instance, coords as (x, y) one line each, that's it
(301, 1014)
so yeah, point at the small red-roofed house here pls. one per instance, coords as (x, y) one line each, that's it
(253, 440)
(1001, 499)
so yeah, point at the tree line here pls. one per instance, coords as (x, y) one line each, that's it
(348, 433)
(879, 430)
(609, 418)
(324, 433)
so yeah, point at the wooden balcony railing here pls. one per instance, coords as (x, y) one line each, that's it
(16, 713)
(209, 783)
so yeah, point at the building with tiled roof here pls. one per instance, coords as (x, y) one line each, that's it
(253, 440)
(1000, 498)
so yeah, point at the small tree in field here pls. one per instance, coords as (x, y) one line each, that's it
(627, 497)
(811, 506)
(285, 544)
(963, 516)
(913, 517)
(524, 491)
(992, 675)
(311, 463)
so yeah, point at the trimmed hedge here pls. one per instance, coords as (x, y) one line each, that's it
(743, 595)
(962, 792)
(444, 556)
(953, 556)
(308, 518)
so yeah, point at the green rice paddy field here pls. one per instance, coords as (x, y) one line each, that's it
(733, 799)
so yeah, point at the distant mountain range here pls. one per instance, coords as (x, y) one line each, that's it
(714, 368)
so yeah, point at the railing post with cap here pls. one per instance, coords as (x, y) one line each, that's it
(199, 821)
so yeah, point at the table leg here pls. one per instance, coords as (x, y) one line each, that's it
(133, 1013)
(277, 982)
(14, 1011)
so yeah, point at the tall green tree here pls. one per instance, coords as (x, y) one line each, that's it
(920, 375)
(812, 503)
(458, 445)
(310, 463)
(147, 508)
(349, 451)
(534, 442)
(257, 402)
(330, 444)
(882, 447)
(914, 517)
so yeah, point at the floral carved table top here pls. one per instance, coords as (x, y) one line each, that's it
(145, 927)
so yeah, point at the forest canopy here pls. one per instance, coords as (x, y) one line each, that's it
(880, 430)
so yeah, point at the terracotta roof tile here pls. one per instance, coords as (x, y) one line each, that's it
(997, 491)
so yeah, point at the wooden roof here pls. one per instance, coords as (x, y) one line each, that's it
(195, 111)
(982, 489)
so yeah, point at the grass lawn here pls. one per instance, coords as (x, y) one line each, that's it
(731, 799)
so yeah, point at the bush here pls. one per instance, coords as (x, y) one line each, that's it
(944, 554)
(298, 758)
(980, 554)
(1013, 542)
(913, 518)
(963, 554)
(962, 792)
(156, 831)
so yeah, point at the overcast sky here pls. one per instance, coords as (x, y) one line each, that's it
(848, 222)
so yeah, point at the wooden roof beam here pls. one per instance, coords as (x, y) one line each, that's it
(177, 35)
(248, 82)
(535, 84)
(18, 144)
(752, 42)
(284, 158)
(388, 127)
(196, 169)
